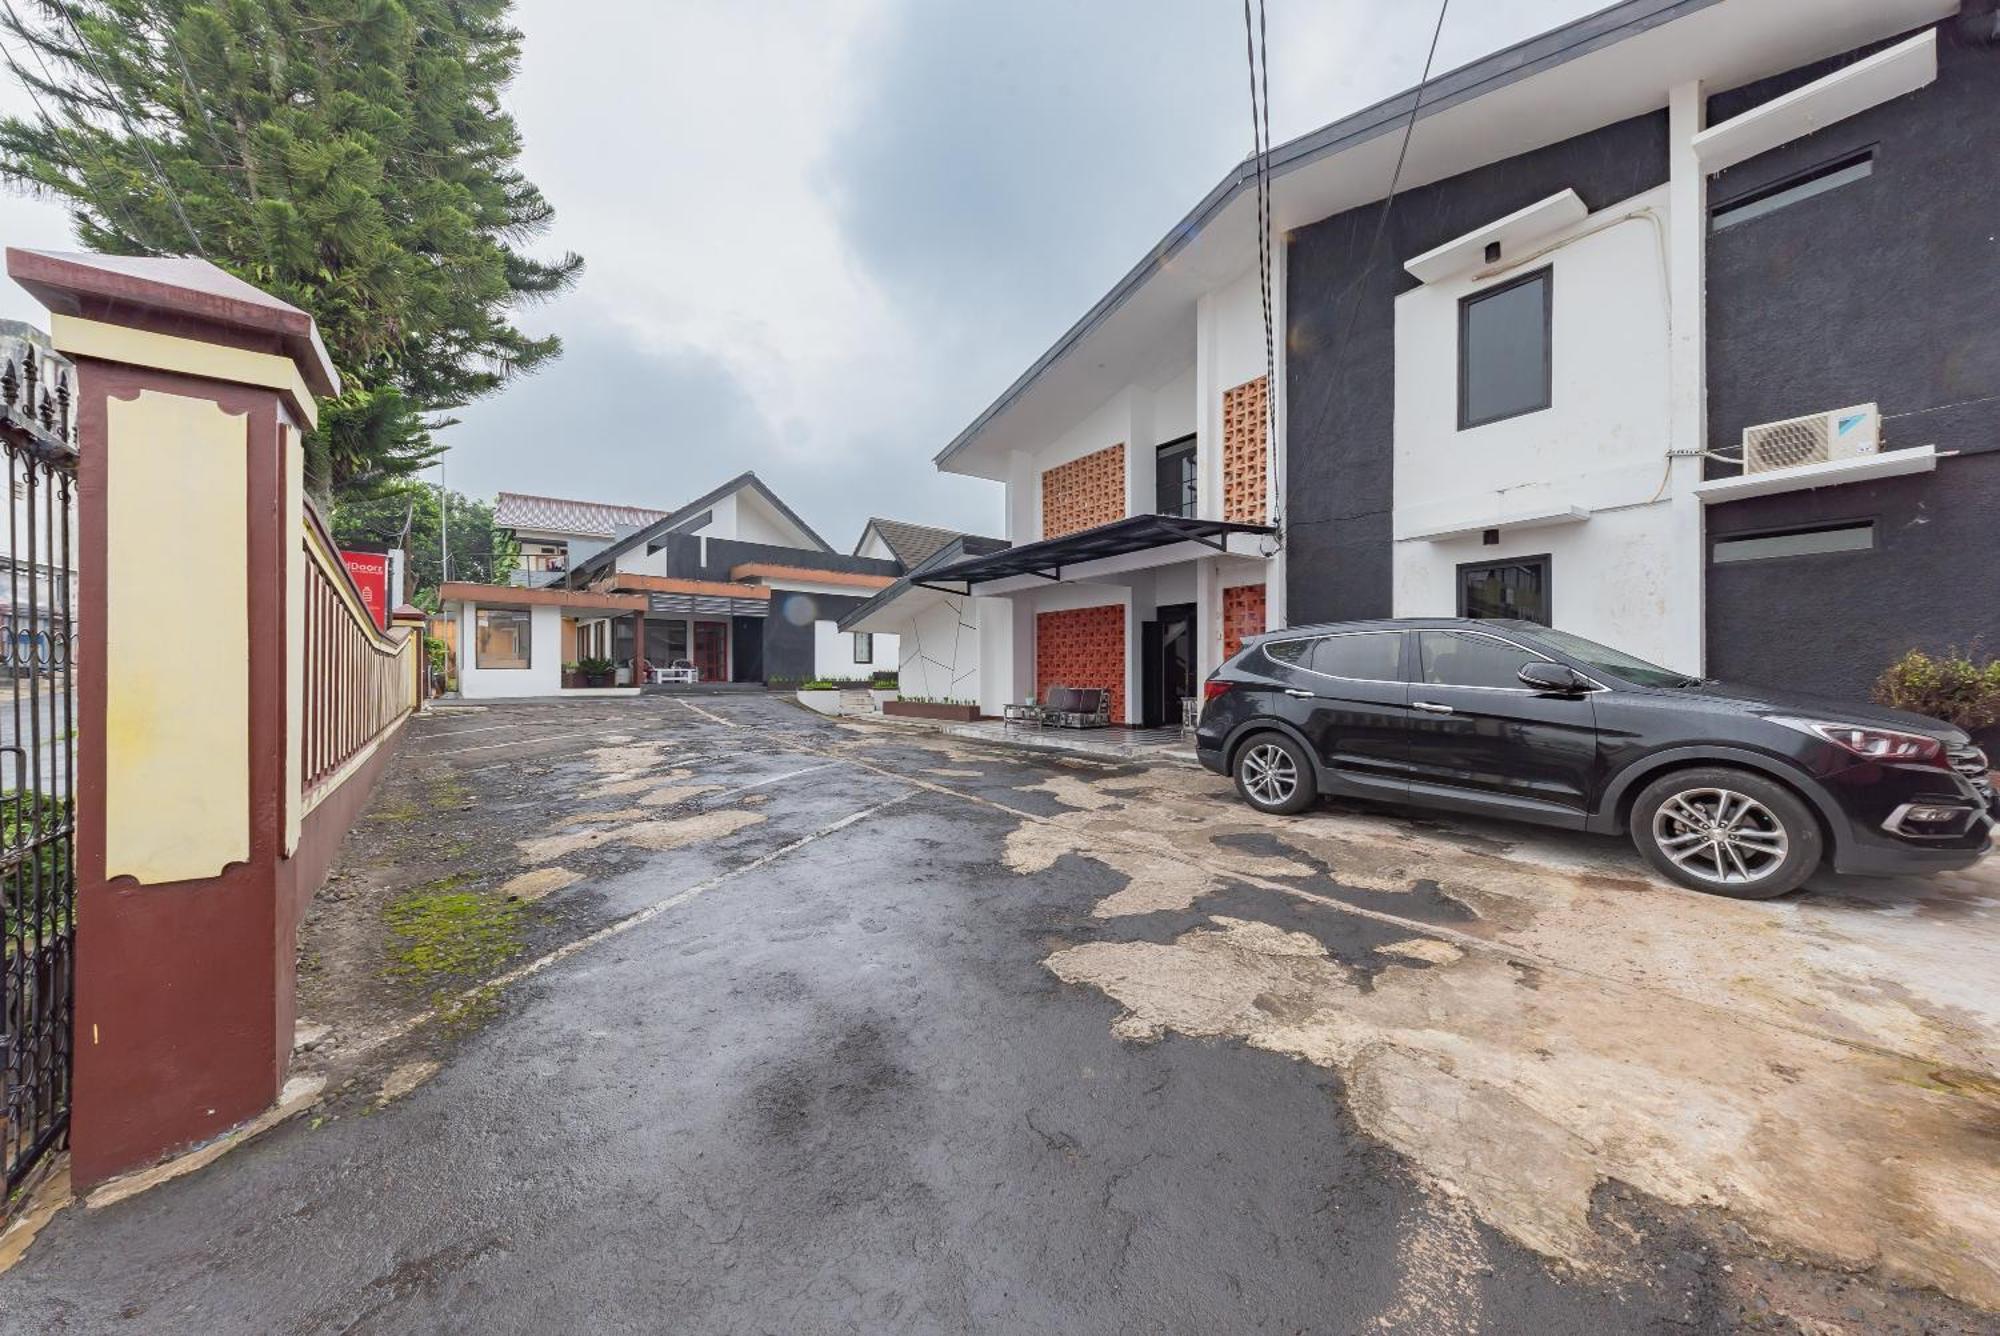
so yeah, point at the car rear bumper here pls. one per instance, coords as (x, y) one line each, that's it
(1211, 757)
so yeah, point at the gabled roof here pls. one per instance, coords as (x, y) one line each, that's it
(958, 549)
(910, 543)
(555, 514)
(582, 572)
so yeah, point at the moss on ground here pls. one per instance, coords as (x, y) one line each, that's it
(446, 936)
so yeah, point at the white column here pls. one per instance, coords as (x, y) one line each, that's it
(1687, 251)
(1275, 615)
(1207, 618)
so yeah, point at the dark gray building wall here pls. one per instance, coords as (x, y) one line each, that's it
(1340, 367)
(684, 558)
(1830, 623)
(1885, 290)
(788, 631)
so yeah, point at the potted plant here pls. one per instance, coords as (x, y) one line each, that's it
(572, 676)
(821, 695)
(1961, 688)
(597, 672)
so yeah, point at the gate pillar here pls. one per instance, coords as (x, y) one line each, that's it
(193, 389)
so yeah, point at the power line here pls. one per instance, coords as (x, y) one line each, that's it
(1353, 289)
(145, 150)
(1257, 46)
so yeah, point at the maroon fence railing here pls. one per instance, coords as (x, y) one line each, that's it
(359, 680)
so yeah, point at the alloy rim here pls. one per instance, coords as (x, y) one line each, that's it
(1720, 836)
(1269, 774)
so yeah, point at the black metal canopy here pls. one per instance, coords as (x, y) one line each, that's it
(1134, 533)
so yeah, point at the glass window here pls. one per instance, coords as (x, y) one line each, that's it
(1793, 189)
(1455, 659)
(1616, 661)
(1174, 477)
(1517, 589)
(504, 638)
(1373, 656)
(1798, 543)
(1504, 357)
(864, 647)
(1291, 653)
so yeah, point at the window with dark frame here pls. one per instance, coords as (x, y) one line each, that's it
(504, 638)
(1517, 588)
(864, 647)
(1792, 189)
(1174, 478)
(1815, 540)
(1506, 362)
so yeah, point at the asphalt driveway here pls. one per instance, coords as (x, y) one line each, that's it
(812, 1027)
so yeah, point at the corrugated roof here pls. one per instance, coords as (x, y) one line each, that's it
(555, 514)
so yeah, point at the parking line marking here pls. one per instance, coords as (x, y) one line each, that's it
(760, 783)
(626, 924)
(712, 718)
(517, 742)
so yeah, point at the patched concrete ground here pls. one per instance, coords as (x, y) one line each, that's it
(713, 1015)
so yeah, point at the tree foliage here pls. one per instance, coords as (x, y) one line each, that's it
(349, 156)
(405, 514)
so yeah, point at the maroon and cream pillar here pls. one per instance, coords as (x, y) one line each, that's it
(193, 391)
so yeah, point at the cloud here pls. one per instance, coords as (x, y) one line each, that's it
(823, 234)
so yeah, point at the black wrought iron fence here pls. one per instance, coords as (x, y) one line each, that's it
(37, 757)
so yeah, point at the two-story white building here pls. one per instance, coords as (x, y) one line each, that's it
(1521, 324)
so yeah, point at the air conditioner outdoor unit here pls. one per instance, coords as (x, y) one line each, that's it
(1814, 439)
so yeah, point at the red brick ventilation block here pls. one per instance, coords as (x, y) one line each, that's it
(1084, 647)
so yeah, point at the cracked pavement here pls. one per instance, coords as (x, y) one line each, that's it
(826, 1026)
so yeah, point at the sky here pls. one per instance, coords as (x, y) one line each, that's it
(822, 236)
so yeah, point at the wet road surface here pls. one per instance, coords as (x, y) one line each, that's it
(889, 1035)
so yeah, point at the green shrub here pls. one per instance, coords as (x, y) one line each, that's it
(819, 684)
(1959, 688)
(595, 667)
(50, 865)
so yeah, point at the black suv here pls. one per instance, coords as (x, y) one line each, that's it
(1725, 789)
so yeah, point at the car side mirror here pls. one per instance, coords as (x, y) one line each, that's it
(1551, 677)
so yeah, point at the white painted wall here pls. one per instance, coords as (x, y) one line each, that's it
(873, 546)
(833, 654)
(1602, 445)
(543, 676)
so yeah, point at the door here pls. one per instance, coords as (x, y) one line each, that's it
(1167, 664)
(1346, 693)
(1478, 734)
(711, 650)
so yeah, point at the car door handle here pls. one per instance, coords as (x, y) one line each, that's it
(1430, 707)
(1294, 691)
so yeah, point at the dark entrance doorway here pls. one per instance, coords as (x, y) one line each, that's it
(747, 636)
(1167, 649)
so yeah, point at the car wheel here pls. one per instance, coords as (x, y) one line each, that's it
(1727, 832)
(1274, 774)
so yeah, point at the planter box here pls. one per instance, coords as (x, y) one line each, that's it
(826, 702)
(911, 709)
(571, 681)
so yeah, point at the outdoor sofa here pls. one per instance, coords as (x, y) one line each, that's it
(1066, 707)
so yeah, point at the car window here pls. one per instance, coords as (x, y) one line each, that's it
(1291, 653)
(1454, 659)
(1371, 656)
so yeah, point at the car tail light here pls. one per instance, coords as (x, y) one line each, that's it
(1874, 744)
(1214, 687)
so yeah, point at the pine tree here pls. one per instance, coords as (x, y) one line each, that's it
(349, 156)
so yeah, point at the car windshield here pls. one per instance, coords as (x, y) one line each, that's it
(1616, 662)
